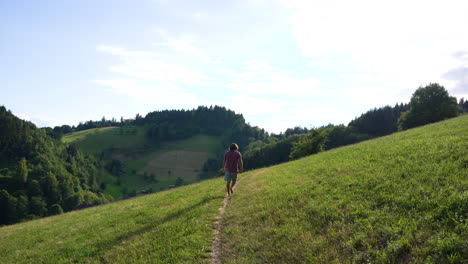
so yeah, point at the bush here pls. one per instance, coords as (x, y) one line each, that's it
(56, 209)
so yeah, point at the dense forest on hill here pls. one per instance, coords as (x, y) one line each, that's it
(39, 175)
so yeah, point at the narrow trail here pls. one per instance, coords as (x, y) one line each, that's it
(218, 225)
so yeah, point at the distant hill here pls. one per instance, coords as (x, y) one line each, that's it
(132, 163)
(40, 176)
(396, 199)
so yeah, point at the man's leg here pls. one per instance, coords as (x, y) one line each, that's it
(232, 185)
(228, 188)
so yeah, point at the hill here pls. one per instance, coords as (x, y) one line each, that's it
(397, 199)
(131, 162)
(39, 176)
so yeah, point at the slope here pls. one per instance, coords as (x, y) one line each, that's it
(133, 162)
(167, 227)
(397, 199)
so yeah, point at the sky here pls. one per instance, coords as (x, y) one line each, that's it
(280, 63)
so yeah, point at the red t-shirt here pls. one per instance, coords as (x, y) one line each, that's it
(232, 158)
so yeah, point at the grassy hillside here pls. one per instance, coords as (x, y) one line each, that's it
(80, 135)
(168, 161)
(397, 199)
(168, 227)
(146, 165)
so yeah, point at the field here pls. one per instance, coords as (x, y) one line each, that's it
(397, 199)
(96, 140)
(168, 227)
(166, 161)
(80, 135)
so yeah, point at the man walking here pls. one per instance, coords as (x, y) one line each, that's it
(232, 165)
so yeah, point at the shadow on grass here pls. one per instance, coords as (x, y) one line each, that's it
(107, 245)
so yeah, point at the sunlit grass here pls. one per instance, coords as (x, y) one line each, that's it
(168, 227)
(80, 135)
(398, 199)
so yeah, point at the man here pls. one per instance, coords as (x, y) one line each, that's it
(232, 165)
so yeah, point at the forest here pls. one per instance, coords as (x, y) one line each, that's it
(41, 176)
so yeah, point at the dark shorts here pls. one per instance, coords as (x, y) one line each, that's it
(230, 176)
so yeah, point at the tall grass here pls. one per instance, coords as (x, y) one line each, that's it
(398, 199)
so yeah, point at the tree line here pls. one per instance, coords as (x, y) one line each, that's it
(428, 104)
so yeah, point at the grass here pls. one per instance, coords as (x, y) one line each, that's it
(170, 160)
(167, 160)
(80, 135)
(97, 140)
(168, 227)
(397, 199)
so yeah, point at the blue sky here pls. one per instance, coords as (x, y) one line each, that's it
(279, 63)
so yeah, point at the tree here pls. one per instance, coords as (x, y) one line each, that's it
(73, 201)
(56, 209)
(38, 206)
(463, 105)
(179, 181)
(428, 105)
(22, 171)
(5, 206)
(312, 143)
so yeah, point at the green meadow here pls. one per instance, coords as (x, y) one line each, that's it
(397, 199)
(142, 158)
(80, 135)
(167, 227)
(168, 161)
(96, 140)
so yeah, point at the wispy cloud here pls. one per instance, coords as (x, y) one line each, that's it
(144, 75)
(125, 53)
(163, 94)
(150, 66)
(184, 46)
(400, 41)
(260, 78)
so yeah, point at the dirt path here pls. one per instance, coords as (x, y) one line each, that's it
(218, 225)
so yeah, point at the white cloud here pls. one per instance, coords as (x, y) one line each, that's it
(125, 53)
(259, 78)
(184, 46)
(162, 94)
(408, 42)
(145, 77)
(145, 65)
(262, 112)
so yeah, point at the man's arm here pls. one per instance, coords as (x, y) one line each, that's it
(224, 165)
(241, 165)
